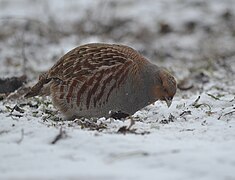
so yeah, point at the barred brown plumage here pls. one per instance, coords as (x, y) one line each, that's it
(94, 79)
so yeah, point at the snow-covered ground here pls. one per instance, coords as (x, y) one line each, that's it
(193, 139)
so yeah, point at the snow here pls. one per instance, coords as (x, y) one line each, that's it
(193, 139)
(196, 146)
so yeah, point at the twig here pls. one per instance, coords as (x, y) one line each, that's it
(186, 113)
(126, 155)
(21, 138)
(186, 130)
(62, 135)
(231, 112)
(232, 99)
(196, 101)
(15, 108)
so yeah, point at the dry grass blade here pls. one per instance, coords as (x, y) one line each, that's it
(214, 97)
(197, 105)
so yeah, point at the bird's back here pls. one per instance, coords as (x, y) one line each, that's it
(90, 58)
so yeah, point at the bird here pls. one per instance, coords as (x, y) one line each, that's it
(101, 80)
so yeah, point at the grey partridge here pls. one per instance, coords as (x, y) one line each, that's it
(95, 79)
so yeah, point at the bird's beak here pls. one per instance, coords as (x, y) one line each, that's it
(168, 102)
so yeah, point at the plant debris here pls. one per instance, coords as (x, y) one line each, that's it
(197, 105)
(17, 109)
(90, 124)
(214, 97)
(171, 118)
(126, 130)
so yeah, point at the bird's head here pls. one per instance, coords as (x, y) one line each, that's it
(165, 86)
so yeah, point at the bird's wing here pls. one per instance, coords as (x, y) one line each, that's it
(94, 69)
(91, 63)
(89, 59)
